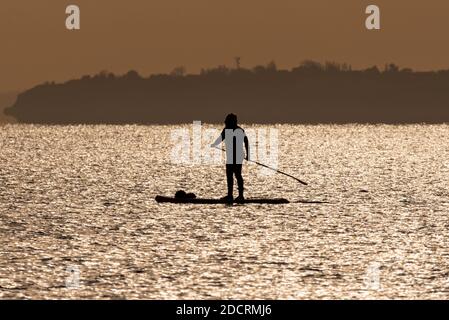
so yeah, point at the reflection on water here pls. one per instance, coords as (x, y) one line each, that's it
(81, 198)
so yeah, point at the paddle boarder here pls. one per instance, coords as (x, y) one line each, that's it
(234, 138)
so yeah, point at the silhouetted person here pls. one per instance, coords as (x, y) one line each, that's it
(234, 138)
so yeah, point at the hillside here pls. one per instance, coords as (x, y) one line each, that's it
(310, 93)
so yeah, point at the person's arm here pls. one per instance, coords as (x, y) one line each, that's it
(220, 138)
(246, 147)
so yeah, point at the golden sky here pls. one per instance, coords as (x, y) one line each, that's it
(153, 36)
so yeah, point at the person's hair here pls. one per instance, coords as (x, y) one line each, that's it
(231, 121)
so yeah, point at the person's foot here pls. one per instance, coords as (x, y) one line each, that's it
(228, 199)
(240, 198)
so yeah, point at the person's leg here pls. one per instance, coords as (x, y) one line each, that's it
(230, 179)
(238, 175)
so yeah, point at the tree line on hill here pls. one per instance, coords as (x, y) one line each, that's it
(309, 93)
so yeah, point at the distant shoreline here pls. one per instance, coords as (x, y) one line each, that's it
(312, 93)
(13, 122)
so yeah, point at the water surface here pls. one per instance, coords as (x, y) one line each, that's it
(81, 197)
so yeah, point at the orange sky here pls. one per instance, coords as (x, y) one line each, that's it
(154, 36)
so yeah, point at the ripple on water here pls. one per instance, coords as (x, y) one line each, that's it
(82, 197)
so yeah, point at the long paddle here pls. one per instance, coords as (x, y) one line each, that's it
(264, 165)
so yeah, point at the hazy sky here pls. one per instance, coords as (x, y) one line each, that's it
(153, 36)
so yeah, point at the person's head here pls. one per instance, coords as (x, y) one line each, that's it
(231, 121)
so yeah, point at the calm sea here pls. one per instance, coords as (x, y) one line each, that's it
(78, 217)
